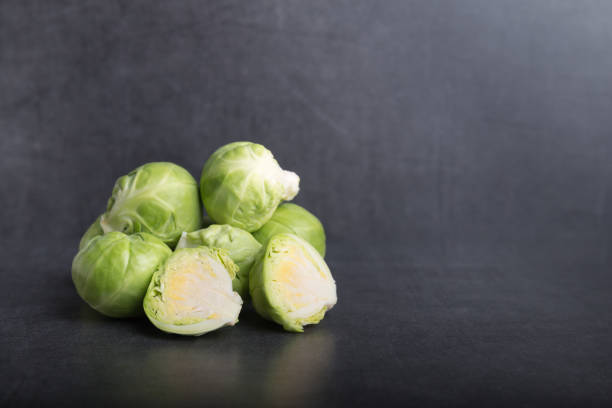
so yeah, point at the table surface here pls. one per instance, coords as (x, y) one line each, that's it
(457, 152)
(400, 333)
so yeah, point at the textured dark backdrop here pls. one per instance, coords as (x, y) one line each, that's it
(458, 153)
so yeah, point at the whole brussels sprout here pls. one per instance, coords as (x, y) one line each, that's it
(93, 231)
(239, 244)
(191, 293)
(293, 219)
(112, 272)
(291, 284)
(242, 184)
(159, 198)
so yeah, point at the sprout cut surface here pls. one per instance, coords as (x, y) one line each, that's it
(191, 293)
(240, 246)
(291, 284)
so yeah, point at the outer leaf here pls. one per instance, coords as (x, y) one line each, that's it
(159, 198)
(93, 231)
(112, 272)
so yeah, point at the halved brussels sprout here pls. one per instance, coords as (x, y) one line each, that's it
(292, 219)
(240, 246)
(191, 293)
(93, 231)
(111, 273)
(159, 198)
(242, 184)
(291, 284)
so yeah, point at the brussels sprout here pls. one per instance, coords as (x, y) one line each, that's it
(292, 219)
(291, 284)
(191, 293)
(159, 198)
(239, 244)
(112, 272)
(242, 184)
(93, 231)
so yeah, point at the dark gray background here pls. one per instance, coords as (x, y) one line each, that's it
(458, 153)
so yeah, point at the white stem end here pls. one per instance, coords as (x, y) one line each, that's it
(291, 183)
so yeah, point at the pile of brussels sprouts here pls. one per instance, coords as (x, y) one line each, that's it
(148, 252)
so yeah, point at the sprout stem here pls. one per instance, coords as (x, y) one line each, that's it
(291, 183)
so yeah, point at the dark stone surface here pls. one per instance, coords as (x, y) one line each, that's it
(456, 152)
